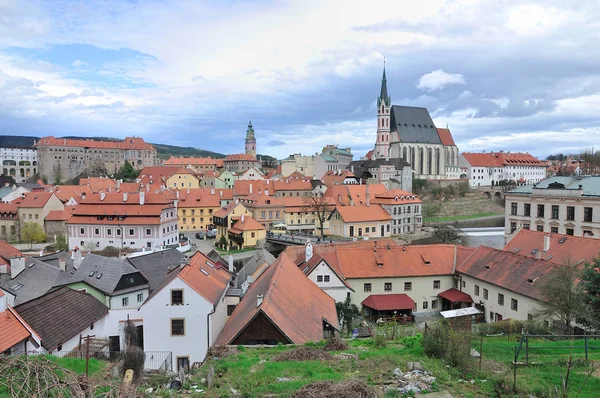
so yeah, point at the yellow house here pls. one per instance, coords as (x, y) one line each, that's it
(196, 208)
(245, 233)
(35, 206)
(360, 221)
(224, 218)
(183, 178)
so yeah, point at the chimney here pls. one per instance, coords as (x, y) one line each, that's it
(546, 243)
(250, 188)
(367, 196)
(308, 251)
(83, 195)
(102, 195)
(212, 191)
(230, 263)
(125, 197)
(242, 219)
(77, 258)
(142, 198)
(266, 192)
(17, 265)
(147, 187)
(221, 193)
(259, 299)
(177, 194)
(119, 184)
(41, 252)
(62, 264)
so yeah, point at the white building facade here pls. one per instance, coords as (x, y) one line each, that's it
(19, 163)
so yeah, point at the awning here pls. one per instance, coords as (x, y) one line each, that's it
(470, 311)
(456, 296)
(389, 302)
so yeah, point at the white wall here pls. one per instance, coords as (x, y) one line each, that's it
(116, 302)
(335, 287)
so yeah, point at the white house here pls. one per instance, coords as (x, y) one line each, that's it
(488, 169)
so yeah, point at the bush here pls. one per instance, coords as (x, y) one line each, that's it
(412, 341)
(441, 341)
(512, 327)
(110, 251)
(134, 359)
(431, 209)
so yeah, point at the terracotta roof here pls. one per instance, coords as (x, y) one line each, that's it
(240, 156)
(369, 155)
(10, 208)
(395, 197)
(200, 197)
(242, 187)
(210, 285)
(12, 330)
(60, 215)
(66, 192)
(389, 302)
(7, 252)
(342, 194)
(292, 185)
(98, 183)
(363, 213)
(33, 199)
(499, 159)
(482, 159)
(333, 178)
(246, 224)
(291, 301)
(165, 197)
(175, 161)
(456, 296)
(260, 199)
(158, 172)
(115, 209)
(507, 270)
(61, 315)
(78, 220)
(224, 211)
(446, 137)
(129, 187)
(127, 143)
(563, 248)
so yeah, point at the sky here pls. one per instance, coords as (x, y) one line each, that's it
(502, 75)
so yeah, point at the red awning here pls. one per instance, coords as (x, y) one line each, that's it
(389, 302)
(456, 296)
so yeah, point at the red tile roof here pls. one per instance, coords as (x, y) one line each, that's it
(98, 183)
(260, 199)
(246, 223)
(210, 285)
(9, 208)
(396, 197)
(446, 137)
(373, 212)
(291, 301)
(33, 199)
(342, 194)
(332, 178)
(79, 220)
(129, 187)
(199, 197)
(12, 331)
(224, 211)
(389, 302)
(240, 156)
(115, 209)
(128, 143)
(482, 159)
(175, 161)
(166, 197)
(66, 192)
(499, 159)
(292, 185)
(242, 187)
(456, 296)
(563, 248)
(7, 251)
(60, 215)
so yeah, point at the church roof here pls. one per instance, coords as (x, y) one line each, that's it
(384, 94)
(414, 125)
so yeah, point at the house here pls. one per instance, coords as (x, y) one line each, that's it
(55, 223)
(405, 209)
(35, 206)
(301, 214)
(383, 171)
(198, 165)
(226, 216)
(141, 220)
(186, 313)
(196, 207)
(288, 188)
(9, 221)
(97, 184)
(240, 162)
(70, 195)
(351, 194)
(213, 179)
(243, 188)
(251, 174)
(338, 177)
(157, 265)
(331, 158)
(15, 333)
(6, 253)
(183, 178)
(267, 210)
(61, 318)
(9, 193)
(368, 221)
(560, 205)
(245, 232)
(281, 306)
(489, 169)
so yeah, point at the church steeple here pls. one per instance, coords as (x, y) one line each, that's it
(250, 140)
(384, 102)
(383, 96)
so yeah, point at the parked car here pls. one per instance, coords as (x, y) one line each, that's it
(200, 235)
(211, 234)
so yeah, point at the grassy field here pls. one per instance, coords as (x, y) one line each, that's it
(459, 217)
(78, 365)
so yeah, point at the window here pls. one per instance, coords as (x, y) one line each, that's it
(513, 227)
(252, 234)
(177, 327)
(118, 232)
(529, 317)
(176, 297)
(387, 286)
(570, 213)
(464, 284)
(570, 231)
(59, 348)
(96, 231)
(425, 304)
(131, 232)
(540, 228)
(367, 287)
(148, 231)
(587, 214)
(436, 285)
(407, 286)
(109, 232)
(554, 230)
(125, 301)
(513, 208)
(326, 278)
(485, 294)
(476, 290)
(140, 297)
(554, 212)
(82, 231)
(434, 304)
(514, 305)
(527, 209)
(540, 211)
(319, 278)
(230, 309)
(500, 299)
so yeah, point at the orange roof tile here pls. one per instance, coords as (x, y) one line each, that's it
(116, 209)
(60, 215)
(127, 143)
(499, 159)
(292, 185)
(210, 284)
(332, 178)
(66, 192)
(129, 187)
(446, 137)
(98, 184)
(166, 197)
(80, 220)
(33, 199)
(240, 156)
(396, 196)
(259, 199)
(10, 208)
(242, 187)
(12, 331)
(175, 161)
(291, 301)
(246, 224)
(7, 251)
(563, 248)
(224, 211)
(343, 194)
(199, 197)
(363, 213)
(482, 159)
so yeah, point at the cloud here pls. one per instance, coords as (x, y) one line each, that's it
(438, 79)
(78, 64)
(275, 143)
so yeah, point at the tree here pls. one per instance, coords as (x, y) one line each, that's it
(590, 286)
(31, 233)
(562, 296)
(61, 243)
(347, 313)
(127, 172)
(446, 234)
(321, 207)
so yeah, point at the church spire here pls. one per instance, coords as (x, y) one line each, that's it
(383, 96)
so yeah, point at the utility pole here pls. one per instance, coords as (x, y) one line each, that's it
(87, 353)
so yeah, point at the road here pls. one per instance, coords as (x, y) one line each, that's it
(205, 246)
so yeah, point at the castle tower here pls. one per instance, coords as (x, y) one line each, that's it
(382, 144)
(250, 140)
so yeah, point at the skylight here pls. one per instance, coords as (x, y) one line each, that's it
(99, 275)
(17, 286)
(210, 265)
(92, 274)
(203, 271)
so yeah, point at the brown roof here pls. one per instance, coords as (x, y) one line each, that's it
(510, 271)
(246, 223)
(12, 329)
(446, 137)
(240, 156)
(127, 143)
(389, 302)
(33, 199)
(61, 315)
(210, 285)
(563, 248)
(363, 213)
(291, 301)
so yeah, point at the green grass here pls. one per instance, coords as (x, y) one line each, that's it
(460, 217)
(220, 251)
(78, 365)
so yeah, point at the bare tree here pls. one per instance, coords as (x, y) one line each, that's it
(321, 207)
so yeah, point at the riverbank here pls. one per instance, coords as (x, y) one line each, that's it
(488, 219)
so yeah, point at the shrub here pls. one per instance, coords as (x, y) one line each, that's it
(134, 359)
(441, 341)
(412, 341)
(110, 251)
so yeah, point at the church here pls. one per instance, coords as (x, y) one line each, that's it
(409, 133)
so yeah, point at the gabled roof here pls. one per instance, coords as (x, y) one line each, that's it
(395, 197)
(240, 156)
(563, 248)
(98, 183)
(242, 187)
(225, 211)
(179, 161)
(33, 199)
(10, 208)
(208, 280)
(446, 137)
(291, 184)
(413, 125)
(246, 223)
(200, 197)
(60, 215)
(61, 315)
(34, 281)
(499, 159)
(12, 330)
(157, 265)
(127, 143)
(260, 199)
(66, 192)
(344, 194)
(8, 251)
(364, 213)
(291, 301)
(389, 302)
(333, 178)
(522, 275)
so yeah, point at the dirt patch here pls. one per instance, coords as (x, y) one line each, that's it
(219, 351)
(304, 354)
(335, 345)
(329, 389)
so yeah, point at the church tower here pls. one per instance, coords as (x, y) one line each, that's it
(250, 140)
(382, 144)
